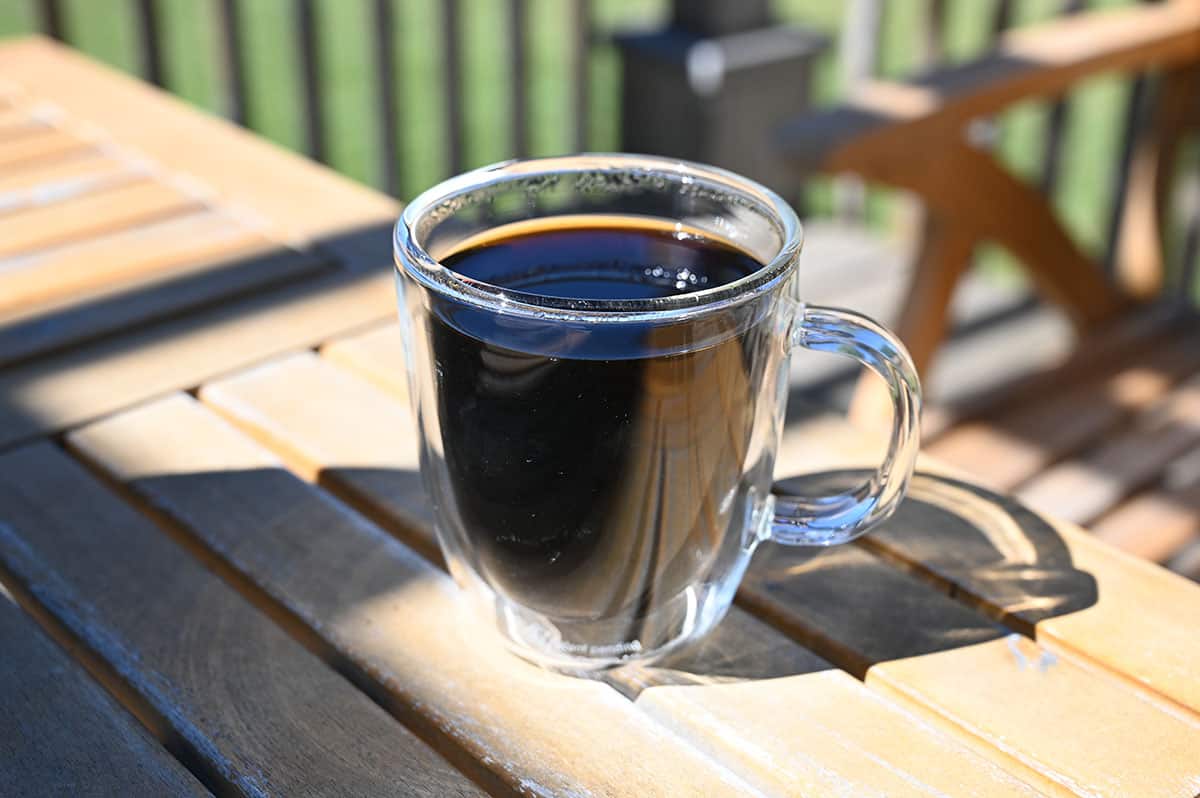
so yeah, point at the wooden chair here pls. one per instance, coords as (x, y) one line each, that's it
(1110, 437)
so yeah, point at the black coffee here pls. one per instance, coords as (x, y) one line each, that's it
(592, 476)
(604, 263)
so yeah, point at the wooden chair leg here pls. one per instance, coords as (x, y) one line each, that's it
(945, 252)
(1140, 266)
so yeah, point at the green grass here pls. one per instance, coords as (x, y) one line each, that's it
(105, 30)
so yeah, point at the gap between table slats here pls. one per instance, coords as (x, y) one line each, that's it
(61, 734)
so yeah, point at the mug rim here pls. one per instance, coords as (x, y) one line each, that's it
(412, 259)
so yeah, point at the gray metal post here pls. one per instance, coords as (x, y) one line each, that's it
(715, 85)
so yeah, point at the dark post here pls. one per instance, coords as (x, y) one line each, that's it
(232, 59)
(715, 85)
(310, 73)
(50, 18)
(581, 42)
(148, 41)
(385, 68)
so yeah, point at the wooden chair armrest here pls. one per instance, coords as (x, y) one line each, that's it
(883, 117)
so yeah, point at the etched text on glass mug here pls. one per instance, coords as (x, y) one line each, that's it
(598, 352)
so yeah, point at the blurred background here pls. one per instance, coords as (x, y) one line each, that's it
(401, 93)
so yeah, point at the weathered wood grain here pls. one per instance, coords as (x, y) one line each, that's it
(855, 610)
(1010, 561)
(260, 711)
(17, 123)
(396, 619)
(377, 354)
(85, 382)
(73, 269)
(1070, 730)
(115, 208)
(740, 648)
(60, 734)
(334, 427)
(53, 144)
(1083, 488)
(825, 734)
(240, 167)
(55, 181)
(139, 276)
(1140, 627)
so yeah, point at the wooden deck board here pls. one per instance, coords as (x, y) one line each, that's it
(1083, 488)
(60, 734)
(1013, 446)
(1155, 525)
(257, 708)
(395, 617)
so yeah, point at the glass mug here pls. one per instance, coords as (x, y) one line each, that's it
(600, 469)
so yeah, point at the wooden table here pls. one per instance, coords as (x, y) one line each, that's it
(218, 575)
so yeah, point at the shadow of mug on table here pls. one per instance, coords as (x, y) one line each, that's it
(954, 562)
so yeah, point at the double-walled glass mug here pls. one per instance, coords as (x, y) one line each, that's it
(600, 469)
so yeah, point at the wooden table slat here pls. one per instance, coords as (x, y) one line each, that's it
(396, 618)
(88, 381)
(61, 734)
(259, 710)
(1140, 625)
(71, 271)
(240, 167)
(377, 354)
(741, 647)
(1057, 722)
(137, 276)
(55, 181)
(107, 211)
(52, 144)
(330, 425)
(826, 734)
(17, 123)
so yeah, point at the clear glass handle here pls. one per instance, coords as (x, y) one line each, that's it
(828, 520)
